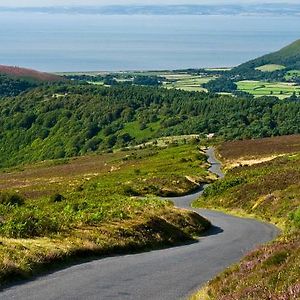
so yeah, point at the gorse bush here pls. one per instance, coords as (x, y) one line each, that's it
(57, 198)
(73, 202)
(11, 199)
(295, 217)
(25, 223)
(221, 186)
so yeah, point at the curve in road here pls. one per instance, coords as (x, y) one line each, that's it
(166, 274)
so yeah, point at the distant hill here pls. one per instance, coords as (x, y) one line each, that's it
(279, 66)
(15, 80)
(288, 57)
(28, 74)
(273, 66)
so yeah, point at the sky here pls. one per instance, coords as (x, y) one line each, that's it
(128, 2)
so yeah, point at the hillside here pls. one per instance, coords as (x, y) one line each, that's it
(269, 190)
(23, 73)
(15, 80)
(64, 120)
(254, 78)
(288, 56)
(65, 209)
(271, 66)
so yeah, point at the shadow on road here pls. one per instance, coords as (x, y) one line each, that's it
(213, 230)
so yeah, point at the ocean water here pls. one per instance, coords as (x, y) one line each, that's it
(62, 42)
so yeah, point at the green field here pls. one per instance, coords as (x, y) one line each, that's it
(135, 130)
(187, 82)
(270, 68)
(259, 88)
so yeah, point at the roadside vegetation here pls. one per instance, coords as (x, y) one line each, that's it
(58, 211)
(269, 191)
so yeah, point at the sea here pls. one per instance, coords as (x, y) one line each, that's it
(74, 42)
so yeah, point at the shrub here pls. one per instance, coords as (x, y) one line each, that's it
(276, 259)
(24, 223)
(11, 199)
(295, 217)
(222, 185)
(57, 198)
(129, 191)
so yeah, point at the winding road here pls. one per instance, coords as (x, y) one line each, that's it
(167, 274)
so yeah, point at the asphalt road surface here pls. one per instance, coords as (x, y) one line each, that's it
(167, 274)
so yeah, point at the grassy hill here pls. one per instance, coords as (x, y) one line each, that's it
(288, 57)
(263, 184)
(271, 66)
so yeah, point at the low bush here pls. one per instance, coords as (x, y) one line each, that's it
(25, 223)
(57, 198)
(11, 199)
(222, 185)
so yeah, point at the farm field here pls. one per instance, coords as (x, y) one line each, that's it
(98, 204)
(190, 82)
(270, 68)
(259, 88)
(270, 191)
(187, 82)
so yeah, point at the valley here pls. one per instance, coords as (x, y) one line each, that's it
(96, 165)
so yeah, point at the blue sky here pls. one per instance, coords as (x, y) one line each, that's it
(126, 2)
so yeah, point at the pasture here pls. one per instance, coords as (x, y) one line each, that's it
(260, 88)
(187, 82)
(270, 68)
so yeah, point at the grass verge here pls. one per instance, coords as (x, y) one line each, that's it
(59, 211)
(22, 258)
(269, 191)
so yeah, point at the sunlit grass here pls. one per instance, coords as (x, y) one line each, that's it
(96, 205)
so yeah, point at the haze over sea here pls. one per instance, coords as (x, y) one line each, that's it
(87, 42)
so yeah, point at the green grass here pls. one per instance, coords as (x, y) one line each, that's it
(270, 68)
(269, 191)
(187, 82)
(260, 88)
(219, 69)
(96, 205)
(96, 82)
(134, 129)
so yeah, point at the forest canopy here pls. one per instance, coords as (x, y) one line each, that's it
(59, 121)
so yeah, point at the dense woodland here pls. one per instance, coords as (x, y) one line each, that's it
(13, 86)
(58, 121)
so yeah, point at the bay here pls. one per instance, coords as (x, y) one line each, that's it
(74, 42)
